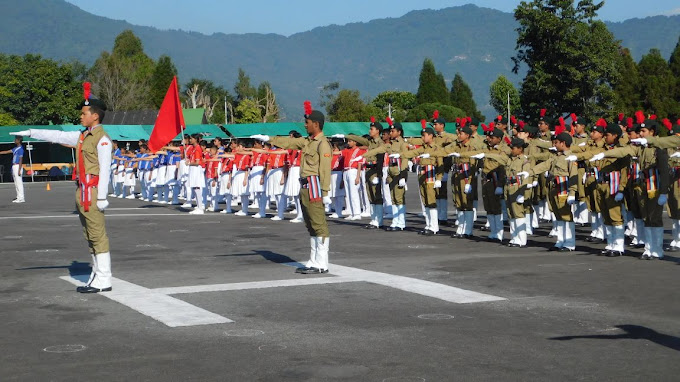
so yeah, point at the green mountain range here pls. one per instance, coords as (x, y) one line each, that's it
(383, 54)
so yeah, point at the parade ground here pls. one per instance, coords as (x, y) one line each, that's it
(214, 297)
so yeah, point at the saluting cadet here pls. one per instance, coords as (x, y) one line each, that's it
(225, 179)
(114, 168)
(516, 188)
(275, 177)
(239, 183)
(463, 182)
(580, 139)
(172, 175)
(212, 165)
(315, 180)
(92, 171)
(562, 178)
(674, 194)
(373, 166)
(655, 179)
(17, 169)
(397, 173)
(257, 178)
(130, 179)
(543, 139)
(387, 196)
(611, 177)
(161, 177)
(427, 177)
(196, 181)
(352, 179)
(595, 145)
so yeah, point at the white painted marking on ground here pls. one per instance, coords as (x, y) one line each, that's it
(408, 284)
(126, 208)
(254, 285)
(64, 348)
(161, 307)
(46, 250)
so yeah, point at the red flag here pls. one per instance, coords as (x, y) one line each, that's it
(170, 120)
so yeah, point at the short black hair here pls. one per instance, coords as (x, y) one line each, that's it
(99, 111)
(19, 138)
(197, 137)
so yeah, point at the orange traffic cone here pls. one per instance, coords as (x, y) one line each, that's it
(48, 186)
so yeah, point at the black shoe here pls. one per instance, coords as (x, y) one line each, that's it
(393, 229)
(565, 249)
(456, 236)
(554, 249)
(300, 270)
(513, 245)
(483, 228)
(468, 236)
(644, 257)
(371, 226)
(652, 258)
(614, 254)
(421, 232)
(604, 252)
(428, 233)
(89, 289)
(314, 271)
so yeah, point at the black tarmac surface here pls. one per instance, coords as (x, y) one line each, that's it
(568, 316)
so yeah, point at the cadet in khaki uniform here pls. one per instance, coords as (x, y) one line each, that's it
(610, 182)
(528, 134)
(373, 168)
(580, 137)
(674, 194)
(478, 143)
(654, 180)
(93, 167)
(315, 181)
(562, 187)
(634, 193)
(516, 189)
(544, 137)
(397, 173)
(427, 179)
(464, 182)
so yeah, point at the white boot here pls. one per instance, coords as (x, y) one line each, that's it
(102, 278)
(94, 270)
(609, 234)
(322, 252)
(469, 217)
(559, 234)
(618, 237)
(378, 208)
(314, 247)
(569, 235)
(513, 231)
(493, 231)
(521, 231)
(657, 245)
(500, 228)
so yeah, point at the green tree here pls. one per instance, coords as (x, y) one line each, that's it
(571, 57)
(627, 89)
(121, 78)
(674, 66)
(400, 101)
(266, 99)
(327, 94)
(243, 89)
(161, 78)
(248, 111)
(348, 106)
(425, 111)
(205, 94)
(6, 119)
(37, 91)
(431, 85)
(461, 97)
(656, 84)
(499, 96)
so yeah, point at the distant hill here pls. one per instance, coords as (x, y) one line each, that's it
(372, 57)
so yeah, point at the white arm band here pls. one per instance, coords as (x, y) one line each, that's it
(69, 138)
(104, 153)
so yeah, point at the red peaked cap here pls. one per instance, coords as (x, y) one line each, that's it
(639, 117)
(629, 122)
(463, 122)
(513, 119)
(86, 90)
(389, 121)
(435, 115)
(423, 123)
(469, 119)
(308, 107)
(521, 125)
(574, 118)
(458, 120)
(559, 129)
(621, 116)
(543, 111)
(652, 117)
(601, 123)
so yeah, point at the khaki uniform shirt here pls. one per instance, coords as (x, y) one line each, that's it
(316, 156)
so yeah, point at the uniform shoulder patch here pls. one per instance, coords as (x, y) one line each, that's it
(105, 143)
(327, 155)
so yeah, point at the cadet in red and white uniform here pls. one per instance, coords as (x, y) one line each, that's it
(256, 178)
(292, 187)
(337, 190)
(276, 163)
(239, 179)
(225, 178)
(352, 179)
(196, 181)
(211, 177)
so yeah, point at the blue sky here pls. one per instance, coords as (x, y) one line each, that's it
(287, 17)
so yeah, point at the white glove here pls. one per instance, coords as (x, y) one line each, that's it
(534, 183)
(523, 174)
(553, 148)
(454, 154)
(402, 182)
(102, 204)
(424, 156)
(571, 158)
(498, 191)
(23, 133)
(520, 199)
(467, 189)
(478, 156)
(618, 197)
(437, 184)
(597, 157)
(639, 141)
(327, 200)
(675, 154)
(395, 156)
(341, 136)
(530, 186)
(663, 198)
(357, 159)
(582, 144)
(375, 181)
(261, 137)
(571, 199)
